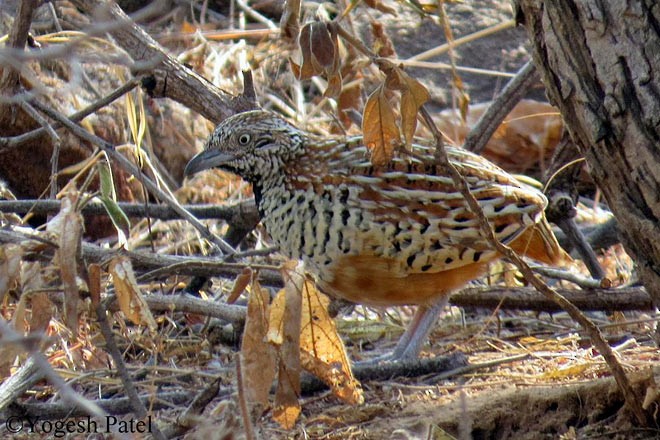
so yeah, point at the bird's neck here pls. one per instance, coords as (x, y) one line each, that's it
(318, 162)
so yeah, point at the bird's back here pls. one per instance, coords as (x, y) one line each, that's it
(402, 234)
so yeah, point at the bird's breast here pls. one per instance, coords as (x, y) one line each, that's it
(324, 225)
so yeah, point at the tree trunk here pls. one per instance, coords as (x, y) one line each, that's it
(600, 62)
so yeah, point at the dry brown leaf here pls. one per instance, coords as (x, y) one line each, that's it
(323, 45)
(319, 47)
(334, 85)
(240, 283)
(187, 27)
(10, 265)
(306, 69)
(379, 127)
(463, 96)
(413, 96)
(275, 334)
(290, 21)
(321, 349)
(287, 407)
(258, 357)
(128, 293)
(412, 99)
(529, 134)
(42, 312)
(350, 99)
(68, 225)
(30, 279)
(94, 274)
(382, 44)
(18, 319)
(42, 306)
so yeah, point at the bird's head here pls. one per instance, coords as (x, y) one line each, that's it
(254, 145)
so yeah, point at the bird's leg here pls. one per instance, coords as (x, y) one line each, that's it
(410, 344)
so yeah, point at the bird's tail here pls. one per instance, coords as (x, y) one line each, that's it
(540, 243)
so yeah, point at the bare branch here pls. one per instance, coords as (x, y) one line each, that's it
(167, 77)
(501, 106)
(241, 214)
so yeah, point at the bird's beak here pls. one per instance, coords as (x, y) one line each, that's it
(205, 160)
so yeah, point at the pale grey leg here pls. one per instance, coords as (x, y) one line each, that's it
(411, 342)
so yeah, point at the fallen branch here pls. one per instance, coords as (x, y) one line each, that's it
(243, 213)
(528, 298)
(147, 261)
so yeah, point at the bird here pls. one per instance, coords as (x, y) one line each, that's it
(388, 235)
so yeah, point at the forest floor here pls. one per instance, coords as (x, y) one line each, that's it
(530, 375)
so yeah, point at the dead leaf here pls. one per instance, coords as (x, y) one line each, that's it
(382, 44)
(290, 21)
(94, 274)
(334, 86)
(323, 45)
(379, 128)
(652, 394)
(41, 305)
(68, 225)
(562, 373)
(275, 334)
(319, 47)
(529, 134)
(30, 279)
(413, 96)
(187, 27)
(10, 267)
(306, 69)
(322, 352)
(42, 311)
(240, 283)
(128, 293)
(350, 100)
(258, 357)
(287, 407)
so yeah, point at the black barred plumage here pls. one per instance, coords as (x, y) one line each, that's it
(402, 234)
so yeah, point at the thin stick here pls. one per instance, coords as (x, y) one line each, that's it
(242, 402)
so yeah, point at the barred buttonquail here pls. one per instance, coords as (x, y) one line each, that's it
(401, 234)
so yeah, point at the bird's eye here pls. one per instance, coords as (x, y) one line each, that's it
(244, 139)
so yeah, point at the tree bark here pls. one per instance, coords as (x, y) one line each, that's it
(600, 62)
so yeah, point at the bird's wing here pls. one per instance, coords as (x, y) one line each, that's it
(427, 226)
